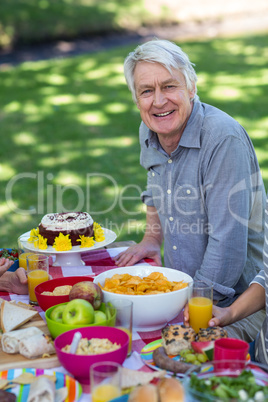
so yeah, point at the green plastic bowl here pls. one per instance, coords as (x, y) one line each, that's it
(56, 328)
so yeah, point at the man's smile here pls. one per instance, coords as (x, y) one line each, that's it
(163, 114)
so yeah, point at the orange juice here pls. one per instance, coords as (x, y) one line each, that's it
(22, 260)
(130, 339)
(200, 312)
(105, 392)
(34, 278)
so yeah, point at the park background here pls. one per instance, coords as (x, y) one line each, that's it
(69, 128)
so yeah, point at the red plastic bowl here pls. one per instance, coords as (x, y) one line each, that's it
(46, 301)
(78, 365)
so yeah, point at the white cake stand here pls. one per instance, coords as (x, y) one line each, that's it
(71, 258)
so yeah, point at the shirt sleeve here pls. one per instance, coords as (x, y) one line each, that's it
(260, 279)
(229, 198)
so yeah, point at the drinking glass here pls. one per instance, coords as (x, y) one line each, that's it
(105, 381)
(200, 301)
(230, 349)
(124, 317)
(23, 252)
(37, 272)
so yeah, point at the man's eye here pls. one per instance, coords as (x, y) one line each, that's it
(146, 91)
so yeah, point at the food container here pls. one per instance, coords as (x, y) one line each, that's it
(210, 373)
(46, 301)
(150, 312)
(56, 328)
(78, 365)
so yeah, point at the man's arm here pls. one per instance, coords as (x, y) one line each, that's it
(233, 192)
(149, 247)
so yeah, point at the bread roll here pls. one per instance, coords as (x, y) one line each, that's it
(170, 390)
(211, 334)
(144, 393)
(167, 390)
(176, 338)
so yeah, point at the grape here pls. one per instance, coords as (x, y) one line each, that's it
(201, 357)
(189, 356)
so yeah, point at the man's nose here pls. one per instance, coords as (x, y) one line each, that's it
(159, 98)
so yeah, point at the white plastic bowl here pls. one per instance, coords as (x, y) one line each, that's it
(150, 312)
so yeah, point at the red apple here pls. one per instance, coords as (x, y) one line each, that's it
(88, 291)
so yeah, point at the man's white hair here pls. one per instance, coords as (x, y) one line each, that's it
(164, 52)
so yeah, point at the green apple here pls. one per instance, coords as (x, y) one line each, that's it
(78, 311)
(100, 317)
(56, 314)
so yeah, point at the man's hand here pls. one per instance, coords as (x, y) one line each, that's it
(145, 249)
(14, 282)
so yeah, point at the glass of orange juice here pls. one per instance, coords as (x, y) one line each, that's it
(105, 381)
(200, 301)
(124, 317)
(23, 252)
(37, 272)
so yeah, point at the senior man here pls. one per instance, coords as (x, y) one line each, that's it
(205, 196)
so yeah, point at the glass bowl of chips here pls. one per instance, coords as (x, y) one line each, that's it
(56, 291)
(158, 294)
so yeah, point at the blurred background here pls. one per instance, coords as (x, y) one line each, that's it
(69, 128)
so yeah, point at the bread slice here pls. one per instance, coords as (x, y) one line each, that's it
(13, 316)
(131, 378)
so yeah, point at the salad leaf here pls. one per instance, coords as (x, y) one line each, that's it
(229, 388)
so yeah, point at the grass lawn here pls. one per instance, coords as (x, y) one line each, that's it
(69, 131)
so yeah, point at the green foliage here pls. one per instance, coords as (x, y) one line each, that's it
(24, 21)
(69, 131)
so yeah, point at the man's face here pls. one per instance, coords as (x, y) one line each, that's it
(162, 98)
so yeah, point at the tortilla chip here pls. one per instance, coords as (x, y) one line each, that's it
(3, 383)
(61, 394)
(62, 290)
(52, 377)
(128, 284)
(24, 378)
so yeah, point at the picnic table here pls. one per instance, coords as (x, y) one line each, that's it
(97, 261)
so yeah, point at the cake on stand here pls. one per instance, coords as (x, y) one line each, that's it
(71, 258)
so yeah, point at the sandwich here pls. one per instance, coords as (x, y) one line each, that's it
(132, 378)
(10, 340)
(37, 345)
(13, 316)
(42, 390)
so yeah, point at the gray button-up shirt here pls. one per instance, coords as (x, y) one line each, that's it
(210, 200)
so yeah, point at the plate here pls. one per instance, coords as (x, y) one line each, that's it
(122, 398)
(110, 237)
(63, 380)
(71, 257)
(147, 355)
